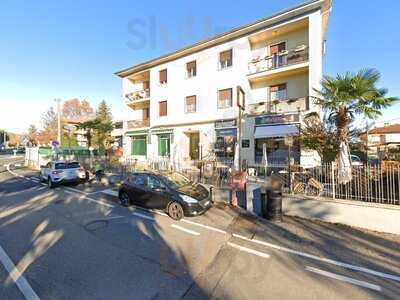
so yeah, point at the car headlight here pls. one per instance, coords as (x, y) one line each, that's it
(188, 199)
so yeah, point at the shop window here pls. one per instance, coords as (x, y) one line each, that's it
(225, 142)
(225, 98)
(277, 151)
(139, 145)
(278, 92)
(164, 145)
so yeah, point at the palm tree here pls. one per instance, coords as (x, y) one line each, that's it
(351, 94)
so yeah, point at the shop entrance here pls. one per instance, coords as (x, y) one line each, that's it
(194, 140)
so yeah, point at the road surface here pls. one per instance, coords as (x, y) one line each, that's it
(78, 242)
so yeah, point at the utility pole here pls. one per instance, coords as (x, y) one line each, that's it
(58, 121)
(4, 138)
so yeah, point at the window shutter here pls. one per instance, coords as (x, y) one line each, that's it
(190, 104)
(225, 94)
(139, 146)
(163, 108)
(277, 48)
(279, 87)
(191, 65)
(163, 76)
(225, 55)
(146, 85)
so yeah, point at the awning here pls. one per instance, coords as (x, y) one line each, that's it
(137, 132)
(276, 131)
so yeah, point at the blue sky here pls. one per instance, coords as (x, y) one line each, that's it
(65, 49)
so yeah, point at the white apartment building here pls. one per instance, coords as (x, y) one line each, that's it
(183, 105)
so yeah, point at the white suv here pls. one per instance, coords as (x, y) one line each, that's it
(56, 172)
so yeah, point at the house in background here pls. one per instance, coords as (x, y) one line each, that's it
(184, 105)
(384, 142)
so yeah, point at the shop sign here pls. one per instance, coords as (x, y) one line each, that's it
(225, 123)
(276, 119)
(245, 143)
(226, 132)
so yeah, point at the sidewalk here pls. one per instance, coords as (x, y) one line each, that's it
(357, 246)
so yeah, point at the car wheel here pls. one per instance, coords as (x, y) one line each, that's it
(50, 183)
(175, 211)
(124, 199)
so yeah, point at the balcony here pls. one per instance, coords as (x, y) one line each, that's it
(138, 99)
(135, 124)
(289, 61)
(279, 106)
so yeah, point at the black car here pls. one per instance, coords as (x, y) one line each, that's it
(170, 191)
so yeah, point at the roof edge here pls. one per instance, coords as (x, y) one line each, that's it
(236, 32)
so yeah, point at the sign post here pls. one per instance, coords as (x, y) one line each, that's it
(289, 143)
(241, 102)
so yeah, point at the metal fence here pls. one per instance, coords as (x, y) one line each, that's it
(378, 183)
(370, 183)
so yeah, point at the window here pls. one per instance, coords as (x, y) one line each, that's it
(225, 98)
(275, 49)
(154, 183)
(190, 104)
(278, 92)
(163, 76)
(139, 145)
(162, 108)
(225, 59)
(138, 179)
(164, 144)
(191, 69)
(278, 60)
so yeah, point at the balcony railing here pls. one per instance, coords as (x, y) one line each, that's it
(137, 95)
(138, 124)
(279, 60)
(279, 106)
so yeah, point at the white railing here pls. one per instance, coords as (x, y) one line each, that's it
(279, 60)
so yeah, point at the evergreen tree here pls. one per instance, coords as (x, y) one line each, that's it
(103, 112)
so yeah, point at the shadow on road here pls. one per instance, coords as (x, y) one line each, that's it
(66, 247)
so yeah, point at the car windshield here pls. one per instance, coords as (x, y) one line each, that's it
(60, 166)
(73, 165)
(175, 179)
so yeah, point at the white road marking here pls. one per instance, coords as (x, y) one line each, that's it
(83, 196)
(35, 179)
(323, 259)
(110, 192)
(184, 229)
(248, 250)
(114, 217)
(75, 190)
(98, 201)
(204, 226)
(344, 278)
(17, 277)
(143, 216)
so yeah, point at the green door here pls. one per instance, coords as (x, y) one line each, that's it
(139, 145)
(164, 145)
